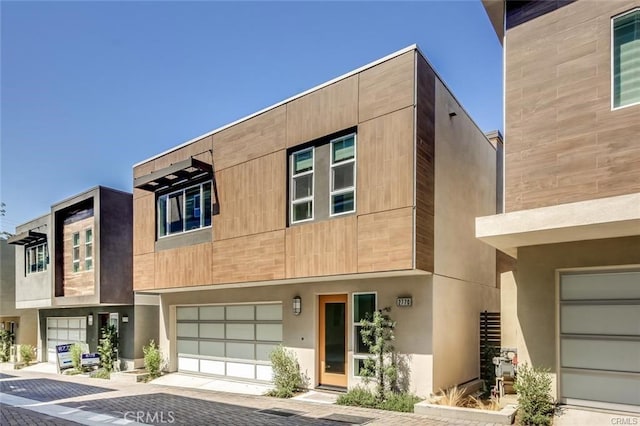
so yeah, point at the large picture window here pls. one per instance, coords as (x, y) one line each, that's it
(301, 188)
(184, 210)
(343, 173)
(37, 258)
(364, 305)
(626, 59)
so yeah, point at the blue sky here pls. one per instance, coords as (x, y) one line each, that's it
(90, 88)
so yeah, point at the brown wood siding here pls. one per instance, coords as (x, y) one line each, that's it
(322, 248)
(385, 241)
(385, 162)
(80, 283)
(323, 112)
(200, 150)
(250, 139)
(563, 143)
(425, 149)
(144, 271)
(183, 266)
(256, 257)
(387, 87)
(252, 197)
(144, 220)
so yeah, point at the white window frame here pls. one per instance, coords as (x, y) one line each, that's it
(184, 207)
(333, 165)
(32, 253)
(86, 245)
(354, 324)
(293, 202)
(613, 19)
(74, 246)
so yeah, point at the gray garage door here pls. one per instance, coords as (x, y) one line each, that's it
(62, 330)
(600, 338)
(232, 340)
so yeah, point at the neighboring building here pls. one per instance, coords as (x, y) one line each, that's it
(74, 266)
(22, 322)
(572, 194)
(287, 226)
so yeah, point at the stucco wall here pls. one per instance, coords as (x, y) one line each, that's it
(7, 279)
(34, 290)
(413, 332)
(532, 324)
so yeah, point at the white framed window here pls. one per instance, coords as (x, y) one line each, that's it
(363, 307)
(37, 258)
(625, 59)
(342, 198)
(301, 185)
(184, 210)
(88, 249)
(76, 252)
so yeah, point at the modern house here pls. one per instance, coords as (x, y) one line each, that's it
(74, 265)
(20, 322)
(290, 225)
(572, 194)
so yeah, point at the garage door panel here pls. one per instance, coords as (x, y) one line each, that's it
(187, 330)
(240, 313)
(212, 331)
(604, 286)
(263, 351)
(269, 332)
(264, 372)
(245, 371)
(188, 364)
(601, 354)
(618, 389)
(240, 331)
(623, 320)
(186, 313)
(212, 367)
(269, 312)
(187, 347)
(241, 350)
(212, 313)
(212, 348)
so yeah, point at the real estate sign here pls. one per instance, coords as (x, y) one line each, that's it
(64, 356)
(90, 359)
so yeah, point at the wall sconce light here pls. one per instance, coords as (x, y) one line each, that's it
(125, 318)
(90, 319)
(297, 305)
(452, 114)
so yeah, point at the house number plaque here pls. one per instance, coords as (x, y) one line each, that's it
(404, 301)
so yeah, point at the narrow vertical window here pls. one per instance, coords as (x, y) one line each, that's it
(626, 59)
(364, 305)
(302, 165)
(88, 250)
(343, 171)
(76, 252)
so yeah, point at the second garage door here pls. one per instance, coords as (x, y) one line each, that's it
(231, 340)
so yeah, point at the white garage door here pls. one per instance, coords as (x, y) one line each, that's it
(232, 341)
(600, 339)
(63, 330)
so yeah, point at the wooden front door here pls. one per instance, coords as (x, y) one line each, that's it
(333, 340)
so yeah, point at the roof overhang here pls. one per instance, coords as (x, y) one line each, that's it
(586, 220)
(174, 175)
(26, 238)
(495, 11)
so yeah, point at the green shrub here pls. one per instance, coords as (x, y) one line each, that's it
(26, 353)
(6, 340)
(101, 373)
(287, 378)
(76, 357)
(108, 347)
(535, 404)
(153, 359)
(391, 401)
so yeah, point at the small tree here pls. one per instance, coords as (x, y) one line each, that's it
(153, 359)
(535, 403)
(26, 353)
(76, 356)
(286, 373)
(378, 335)
(108, 347)
(6, 340)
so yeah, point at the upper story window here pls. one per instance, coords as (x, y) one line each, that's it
(343, 171)
(76, 252)
(184, 210)
(626, 59)
(322, 180)
(88, 249)
(302, 164)
(37, 258)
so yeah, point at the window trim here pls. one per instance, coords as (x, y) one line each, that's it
(355, 175)
(292, 176)
(612, 48)
(27, 260)
(75, 261)
(183, 190)
(357, 355)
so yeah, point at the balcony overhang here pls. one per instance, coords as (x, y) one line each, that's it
(611, 217)
(174, 175)
(26, 238)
